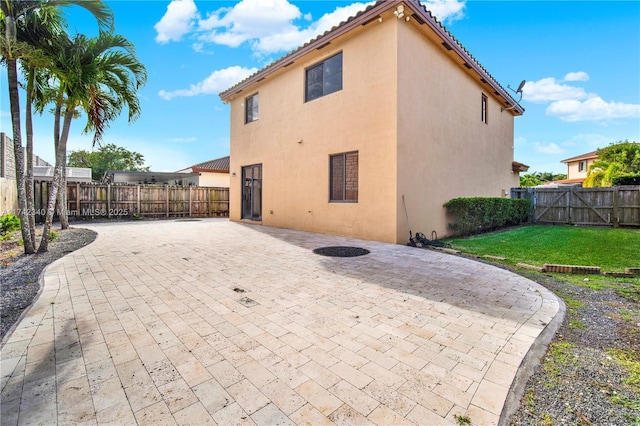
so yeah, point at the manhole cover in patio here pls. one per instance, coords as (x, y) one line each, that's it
(341, 251)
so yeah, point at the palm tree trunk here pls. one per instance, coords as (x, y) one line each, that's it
(61, 149)
(29, 179)
(62, 196)
(14, 101)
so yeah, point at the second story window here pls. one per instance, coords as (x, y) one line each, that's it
(582, 166)
(484, 109)
(323, 78)
(251, 109)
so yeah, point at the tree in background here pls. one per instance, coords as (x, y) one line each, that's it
(538, 178)
(617, 159)
(107, 157)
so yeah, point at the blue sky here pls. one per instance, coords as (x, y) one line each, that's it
(581, 61)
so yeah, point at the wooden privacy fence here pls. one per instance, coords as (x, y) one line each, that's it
(613, 206)
(88, 200)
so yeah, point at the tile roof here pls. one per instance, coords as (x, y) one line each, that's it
(364, 17)
(217, 165)
(588, 155)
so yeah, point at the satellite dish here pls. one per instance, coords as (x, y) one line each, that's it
(517, 91)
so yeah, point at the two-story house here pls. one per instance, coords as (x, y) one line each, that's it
(369, 129)
(578, 166)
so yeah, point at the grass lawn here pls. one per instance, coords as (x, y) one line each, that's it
(611, 249)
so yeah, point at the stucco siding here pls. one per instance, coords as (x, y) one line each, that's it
(293, 140)
(219, 180)
(444, 148)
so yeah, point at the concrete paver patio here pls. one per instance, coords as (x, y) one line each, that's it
(214, 322)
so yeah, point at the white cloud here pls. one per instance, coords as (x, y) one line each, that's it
(550, 148)
(549, 90)
(268, 26)
(177, 21)
(218, 81)
(592, 109)
(183, 140)
(577, 76)
(446, 9)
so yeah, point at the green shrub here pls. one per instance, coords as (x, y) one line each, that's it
(478, 215)
(631, 179)
(9, 223)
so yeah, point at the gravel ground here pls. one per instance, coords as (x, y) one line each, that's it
(579, 381)
(19, 273)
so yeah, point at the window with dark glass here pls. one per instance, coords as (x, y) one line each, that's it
(484, 109)
(251, 108)
(324, 78)
(343, 179)
(582, 165)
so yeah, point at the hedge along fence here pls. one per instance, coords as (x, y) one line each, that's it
(478, 215)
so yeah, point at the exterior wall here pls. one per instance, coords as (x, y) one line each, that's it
(573, 168)
(444, 149)
(7, 159)
(217, 180)
(293, 140)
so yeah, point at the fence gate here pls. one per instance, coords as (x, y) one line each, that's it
(612, 206)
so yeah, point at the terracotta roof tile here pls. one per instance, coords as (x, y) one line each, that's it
(217, 165)
(588, 155)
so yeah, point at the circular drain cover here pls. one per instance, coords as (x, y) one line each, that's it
(341, 251)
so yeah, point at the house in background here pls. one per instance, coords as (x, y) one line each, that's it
(213, 173)
(150, 178)
(578, 167)
(369, 127)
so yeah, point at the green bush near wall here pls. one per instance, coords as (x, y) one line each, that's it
(631, 179)
(478, 215)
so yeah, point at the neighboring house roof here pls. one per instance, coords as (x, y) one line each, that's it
(565, 182)
(587, 156)
(73, 173)
(519, 167)
(219, 165)
(372, 13)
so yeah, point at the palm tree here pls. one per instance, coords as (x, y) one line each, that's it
(14, 14)
(98, 76)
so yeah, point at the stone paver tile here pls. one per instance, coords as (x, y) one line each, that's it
(271, 415)
(232, 415)
(212, 395)
(385, 416)
(247, 396)
(256, 373)
(75, 404)
(225, 373)
(9, 412)
(350, 357)
(107, 393)
(426, 397)
(177, 395)
(207, 355)
(288, 374)
(194, 372)
(355, 398)
(490, 397)
(38, 392)
(285, 398)
(391, 398)
(323, 358)
(346, 415)
(501, 373)
(142, 395)
(319, 397)
(41, 414)
(481, 416)
(321, 375)
(155, 414)
(194, 414)
(119, 414)
(308, 415)
(351, 375)
(423, 416)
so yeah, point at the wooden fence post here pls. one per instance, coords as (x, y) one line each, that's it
(138, 201)
(616, 202)
(167, 200)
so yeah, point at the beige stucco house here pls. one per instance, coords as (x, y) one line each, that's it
(578, 166)
(385, 110)
(214, 173)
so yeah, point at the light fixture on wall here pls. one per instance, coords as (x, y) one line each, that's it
(399, 12)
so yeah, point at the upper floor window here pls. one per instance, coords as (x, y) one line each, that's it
(251, 109)
(582, 165)
(323, 78)
(484, 109)
(343, 179)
